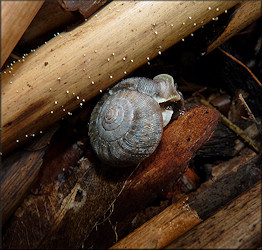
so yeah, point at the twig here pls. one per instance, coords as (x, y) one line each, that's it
(250, 114)
(233, 127)
(242, 64)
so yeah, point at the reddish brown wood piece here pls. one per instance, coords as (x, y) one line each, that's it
(156, 176)
(63, 214)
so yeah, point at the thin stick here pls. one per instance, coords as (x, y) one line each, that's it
(250, 114)
(234, 128)
(242, 64)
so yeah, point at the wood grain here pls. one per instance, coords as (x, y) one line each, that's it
(106, 48)
(236, 226)
(15, 18)
(204, 202)
(161, 229)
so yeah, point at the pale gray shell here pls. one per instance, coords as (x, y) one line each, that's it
(126, 125)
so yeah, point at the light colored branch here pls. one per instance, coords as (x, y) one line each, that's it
(77, 65)
(235, 128)
(175, 220)
(15, 18)
(238, 225)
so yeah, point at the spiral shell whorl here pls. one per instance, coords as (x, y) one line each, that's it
(125, 127)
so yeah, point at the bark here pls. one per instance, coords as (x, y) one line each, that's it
(86, 8)
(92, 57)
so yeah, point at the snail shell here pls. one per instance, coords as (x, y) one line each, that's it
(126, 125)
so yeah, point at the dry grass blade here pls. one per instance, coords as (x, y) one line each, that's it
(243, 65)
(250, 114)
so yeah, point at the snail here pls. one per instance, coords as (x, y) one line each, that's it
(126, 125)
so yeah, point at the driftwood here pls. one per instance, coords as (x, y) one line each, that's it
(200, 205)
(237, 225)
(15, 18)
(76, 65)
(65, 211)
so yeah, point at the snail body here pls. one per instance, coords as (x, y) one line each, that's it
(126, 125)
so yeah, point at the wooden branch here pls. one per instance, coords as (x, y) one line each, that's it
(15, 18)
(20, 170)
(220, 189)
(91, 58)
(161, 229)
(200, 205)
(238, 225)
(245, 14)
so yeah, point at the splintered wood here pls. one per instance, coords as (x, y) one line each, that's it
(159, 231)
(65, 211)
